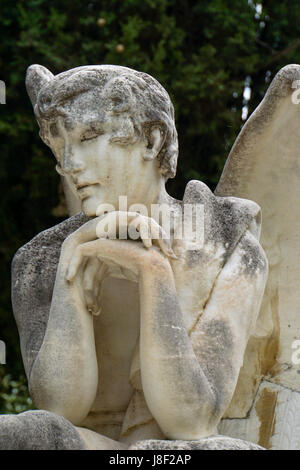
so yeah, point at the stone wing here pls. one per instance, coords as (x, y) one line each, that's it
(264, 166)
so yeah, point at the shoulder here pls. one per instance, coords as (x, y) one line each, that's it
(45, 246)
(198, 192)
(226, 219)
(36, 262)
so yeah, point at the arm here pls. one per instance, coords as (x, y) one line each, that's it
(64, 376)
(188, 382)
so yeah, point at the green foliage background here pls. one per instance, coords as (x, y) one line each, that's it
(201, 51)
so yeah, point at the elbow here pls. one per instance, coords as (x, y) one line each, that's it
(71, 409)
(61, 391)
(190, 422)
(188, 429)
(73, 405)
(71, 412)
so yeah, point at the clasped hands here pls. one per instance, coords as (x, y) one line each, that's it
(97, 252)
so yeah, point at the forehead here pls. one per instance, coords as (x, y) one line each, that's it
(106, 109)
(116, 96)
(115, 125)
(83, 108)
(69, 124)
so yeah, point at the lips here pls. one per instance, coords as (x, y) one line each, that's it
(84, 189)
(85, 185)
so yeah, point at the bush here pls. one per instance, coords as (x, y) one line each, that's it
(14, 396)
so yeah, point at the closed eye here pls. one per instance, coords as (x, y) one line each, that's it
(91, 135)
(85, 139)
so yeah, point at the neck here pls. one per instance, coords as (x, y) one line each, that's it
(160, 207)
(155, 194)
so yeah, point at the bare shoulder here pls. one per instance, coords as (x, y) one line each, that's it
(226, 219)
(41, 254)
(231, 235)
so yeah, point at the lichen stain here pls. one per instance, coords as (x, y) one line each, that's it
(260, 360)
(270, 367)
(265, 409)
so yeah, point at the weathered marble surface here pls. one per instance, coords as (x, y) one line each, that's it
(210, 443)
(273, 421)
(264, 165)
(43, 430)
(186, 319)
(38, 430)
(34, 270)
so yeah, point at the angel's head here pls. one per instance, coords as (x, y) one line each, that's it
(110, 128)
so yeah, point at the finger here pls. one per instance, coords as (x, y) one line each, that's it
(145, 235)
(91, 269)
(141, 225)
(84, 234)
(99, 278)
(165, 247)
(97, 312)
(114, 224)
(89, 283)
(150, 230)
(161, 239)
(88, 249)
(75, 263)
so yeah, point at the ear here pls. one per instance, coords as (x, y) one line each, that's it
(36, 77)
(155, 142)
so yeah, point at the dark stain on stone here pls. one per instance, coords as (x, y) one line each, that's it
(269, 352)
(33, 276)
(194, 257)
(215, 358)
(253, 258)
(265, 409)
(213, 354)
(226, 218)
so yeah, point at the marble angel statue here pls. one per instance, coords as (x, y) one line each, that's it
(142, 342)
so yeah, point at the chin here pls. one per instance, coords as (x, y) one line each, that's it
(89, 207)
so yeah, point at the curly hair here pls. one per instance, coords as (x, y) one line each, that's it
(111, 90)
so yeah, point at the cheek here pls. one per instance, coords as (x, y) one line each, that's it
(113, 164)
(91, 154)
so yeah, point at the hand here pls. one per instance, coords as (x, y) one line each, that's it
(128, 256)
(92, 271)
(132, 225)
(92, 276)
(94, 260)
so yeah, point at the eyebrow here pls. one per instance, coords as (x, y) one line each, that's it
(93, 126)
(68, 124)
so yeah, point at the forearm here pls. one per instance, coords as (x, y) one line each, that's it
(175, 387)
(64, 376)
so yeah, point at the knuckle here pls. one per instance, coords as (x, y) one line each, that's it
(79, 250)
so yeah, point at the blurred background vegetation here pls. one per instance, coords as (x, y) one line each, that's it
(215, 58)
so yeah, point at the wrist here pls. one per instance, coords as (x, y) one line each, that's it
(155, 264)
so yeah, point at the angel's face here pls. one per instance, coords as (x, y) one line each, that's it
(103, 160)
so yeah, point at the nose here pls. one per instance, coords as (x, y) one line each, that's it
(72, 160)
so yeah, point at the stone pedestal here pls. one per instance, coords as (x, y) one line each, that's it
(209, 443)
